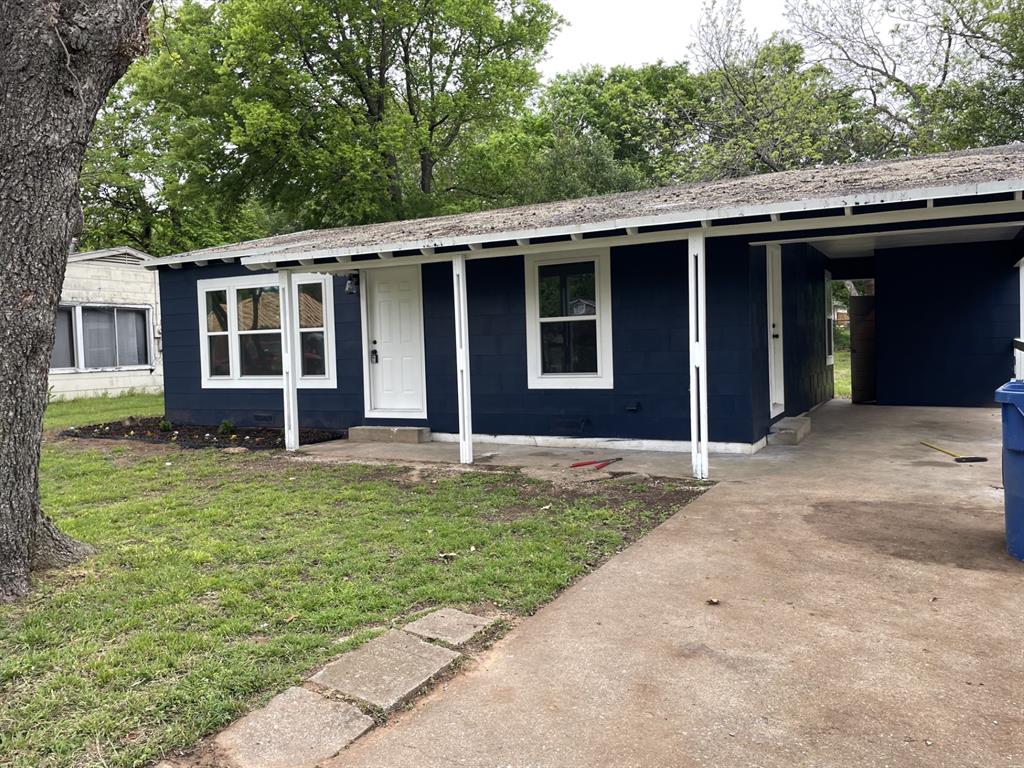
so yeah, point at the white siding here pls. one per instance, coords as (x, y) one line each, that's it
(102, 282)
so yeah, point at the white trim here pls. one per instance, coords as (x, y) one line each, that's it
(605, 443)
(462, 366)
(1020, 355)
(384, 413)
(605, 376)
(776, 358)
(830, 321)
(290, 363)
(236, 380)
(696, 263)
(687, 216)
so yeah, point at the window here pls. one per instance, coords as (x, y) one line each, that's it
(830, 322)
(63, 356)
(240, 331)
(96, 337)
(568, 316)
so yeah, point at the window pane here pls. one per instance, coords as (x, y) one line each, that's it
(312, 349)
(550, 285)
(131, 337)
(216, 311)
(220, 360)
(98, 337)
(579, 291)
(64, 343)
(567, 290)
(260, 354)
(569, 347)
(311, 305)
(258, 309)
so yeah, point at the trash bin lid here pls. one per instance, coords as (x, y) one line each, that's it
(1011, 392)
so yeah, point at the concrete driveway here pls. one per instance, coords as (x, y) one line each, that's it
(868, 616)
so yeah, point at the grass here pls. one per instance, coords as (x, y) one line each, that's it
(61, 414)
(221, 579)
(844, 383)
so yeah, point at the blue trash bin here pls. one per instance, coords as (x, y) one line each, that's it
(1011, 396)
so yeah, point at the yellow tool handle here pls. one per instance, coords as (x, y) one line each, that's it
(940, 450)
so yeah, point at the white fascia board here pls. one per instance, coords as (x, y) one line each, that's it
(215, 252)
(577, 231)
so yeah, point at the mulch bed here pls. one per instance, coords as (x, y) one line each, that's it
(192, 436)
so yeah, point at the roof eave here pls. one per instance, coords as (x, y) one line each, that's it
(271, 255)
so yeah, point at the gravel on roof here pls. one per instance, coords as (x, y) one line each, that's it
(969, 167)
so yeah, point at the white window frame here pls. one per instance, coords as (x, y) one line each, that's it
(830, 320)
(78, 331)
(236, 381)
(603, 379)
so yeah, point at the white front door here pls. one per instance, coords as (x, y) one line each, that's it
(776, 362)
(393, 323)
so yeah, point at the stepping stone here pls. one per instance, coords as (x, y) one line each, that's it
(297, 728)
(449, 626)
(387, 671)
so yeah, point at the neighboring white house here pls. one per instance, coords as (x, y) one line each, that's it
(108, 337)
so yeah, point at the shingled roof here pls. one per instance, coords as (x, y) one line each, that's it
(970, 172)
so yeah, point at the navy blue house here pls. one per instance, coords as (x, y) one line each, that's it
(689, 318)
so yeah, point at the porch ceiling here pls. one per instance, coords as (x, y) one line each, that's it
(866, 244)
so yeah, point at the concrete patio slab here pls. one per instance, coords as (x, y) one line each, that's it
(387, 671)
(868, 616)
(449, 626)
(298, 728)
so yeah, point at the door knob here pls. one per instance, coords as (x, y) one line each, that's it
(373, 356)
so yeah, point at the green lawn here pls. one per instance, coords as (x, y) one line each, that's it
(221, 579)
(61, 414)
(844, 386)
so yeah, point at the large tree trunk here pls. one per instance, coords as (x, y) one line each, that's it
(58, 60)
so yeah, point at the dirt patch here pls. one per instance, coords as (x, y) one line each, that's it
(650, 495)
(964, 537)
(149, 430)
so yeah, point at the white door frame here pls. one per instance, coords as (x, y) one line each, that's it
(776, 360)
(366, 278)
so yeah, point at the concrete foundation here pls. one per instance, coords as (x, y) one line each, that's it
(406, 435)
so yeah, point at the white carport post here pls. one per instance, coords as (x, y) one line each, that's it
(289, 361)
(462, 359)
(698, 325)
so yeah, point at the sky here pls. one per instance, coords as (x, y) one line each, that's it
(635, 32)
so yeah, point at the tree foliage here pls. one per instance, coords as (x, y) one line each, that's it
(252, 117)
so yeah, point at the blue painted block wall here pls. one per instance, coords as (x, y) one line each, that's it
(650, 337)
(945, 320)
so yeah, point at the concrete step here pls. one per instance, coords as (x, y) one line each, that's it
(790, 431)
(387, 671)
(389, 434)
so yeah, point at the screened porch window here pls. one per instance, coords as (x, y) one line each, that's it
(568, 302)
(93, 337)
(240, 329)
(64, 342)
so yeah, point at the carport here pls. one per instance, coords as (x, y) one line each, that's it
(947, 298)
